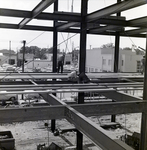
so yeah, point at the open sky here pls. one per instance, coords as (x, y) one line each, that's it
(44, 39)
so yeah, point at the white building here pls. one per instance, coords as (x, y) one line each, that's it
(37, 63)
(67, 59)
(102, 60)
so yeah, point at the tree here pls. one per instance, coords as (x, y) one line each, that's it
(109, 45)
(127, 48)
(38, 52)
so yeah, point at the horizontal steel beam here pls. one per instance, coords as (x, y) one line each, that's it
(15, 13)
(75, 85)
(56, 91)
(29, 76)
(135, 31)
(117, 86)
(106, 28)
(121, 88)
(138, 22)
(9, 115)
(119, 96)
(8, 26)
(118, 7)
(74, 17)
(42, 28)
(65, 75)
(111, 108)
(58, 16)
(66, 26)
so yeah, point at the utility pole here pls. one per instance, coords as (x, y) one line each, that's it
(24, 42)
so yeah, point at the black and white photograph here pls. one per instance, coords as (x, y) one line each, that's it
(73, 75)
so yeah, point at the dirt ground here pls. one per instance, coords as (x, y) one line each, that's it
(28, 135)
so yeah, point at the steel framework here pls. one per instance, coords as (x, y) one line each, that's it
(76, 114)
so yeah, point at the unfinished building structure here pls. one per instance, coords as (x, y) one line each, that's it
(106, 84)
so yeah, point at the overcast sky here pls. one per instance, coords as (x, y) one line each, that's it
(45, 39)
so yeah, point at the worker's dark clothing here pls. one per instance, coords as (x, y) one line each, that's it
(60, 64)
(83, 78)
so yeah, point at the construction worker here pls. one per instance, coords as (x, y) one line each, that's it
(60, 63)
(75, 77)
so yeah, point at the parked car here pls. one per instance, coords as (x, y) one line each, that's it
(11, 69)
(8, 97)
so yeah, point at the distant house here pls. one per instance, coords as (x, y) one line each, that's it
(102, 60)
(10, 59)
(27, 57)
(67, 59)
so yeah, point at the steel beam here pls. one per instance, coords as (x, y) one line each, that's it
(58, 16)
(56, 91)
(138, 22)
(116, 55)
(73, 86)
(135, 31)
(9, 115)
(92, 130)
(105, 28)
(74, 17)
(54, 65)
(82, 61)
(41, 28)
(8, 26)
(36, 11)
(111, 108)
(143, 139)
(119, 96)
(44, 87)
(15, 13)
(66, 26)
(118, 7)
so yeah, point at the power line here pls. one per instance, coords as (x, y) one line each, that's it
(36, 37)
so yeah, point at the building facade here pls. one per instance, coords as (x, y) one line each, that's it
(8, 59)
(102, 60)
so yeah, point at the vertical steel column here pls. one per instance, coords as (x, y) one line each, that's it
(23, 60)
(55, 38)
(143, 140)
(54, 69)
(82, 61)
(116, 56)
